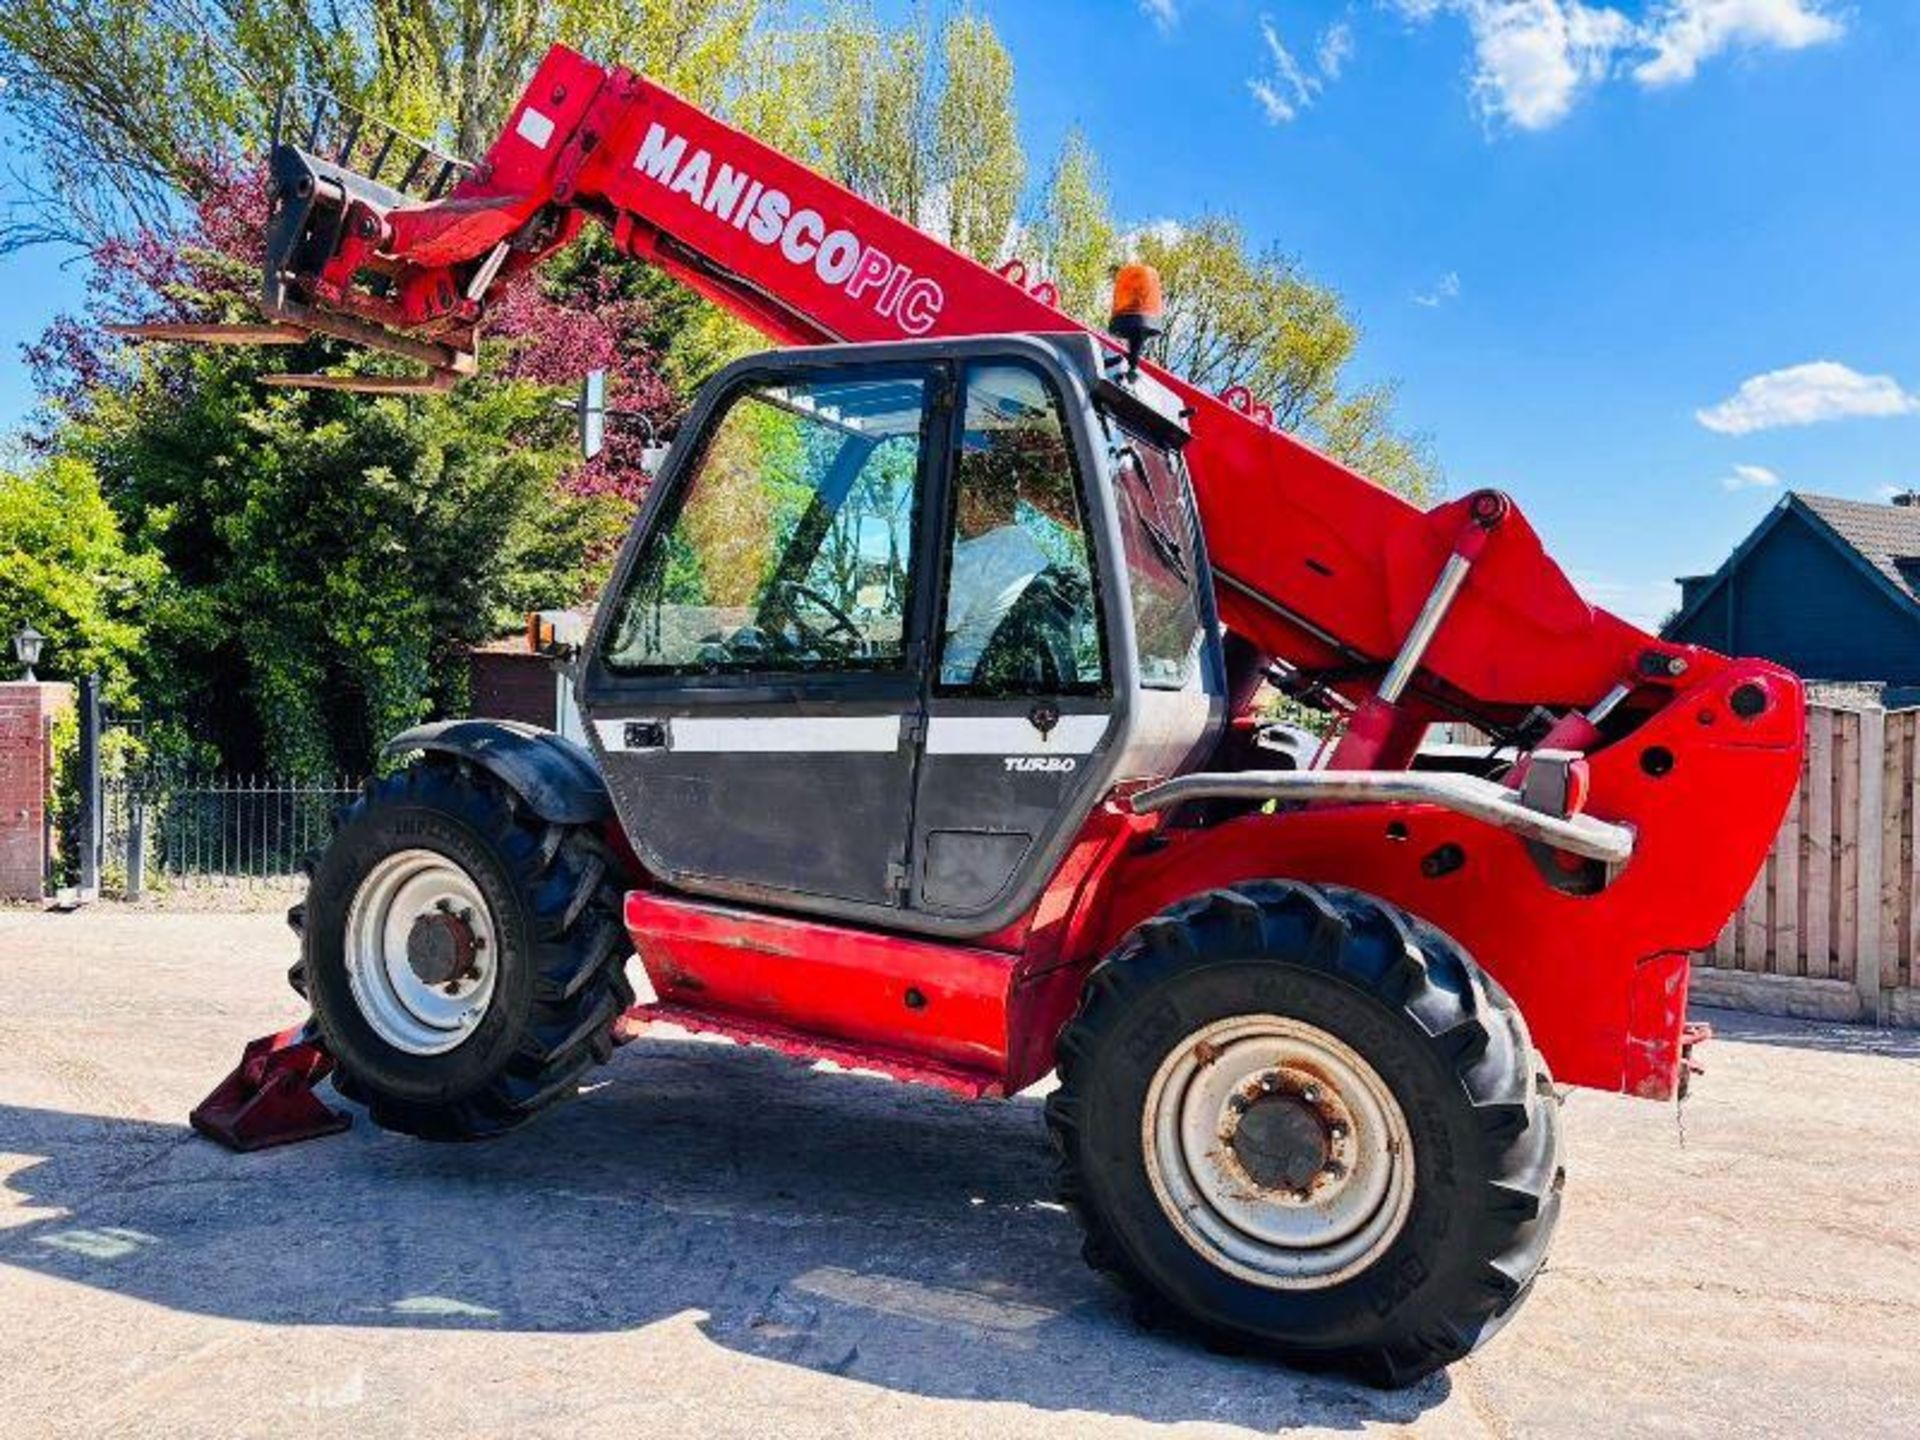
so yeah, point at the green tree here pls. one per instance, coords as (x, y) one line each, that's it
(123, 107)
(65, 567)
(1240, 317)
(916, 118)
(1077, 240)
(978, 164)
(332, 558)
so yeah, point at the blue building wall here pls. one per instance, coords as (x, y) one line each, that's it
(1797, 599)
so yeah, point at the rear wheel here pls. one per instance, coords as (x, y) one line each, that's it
(465, 960)
(1302, 1122)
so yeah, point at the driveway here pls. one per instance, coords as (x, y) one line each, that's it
(717, 1241)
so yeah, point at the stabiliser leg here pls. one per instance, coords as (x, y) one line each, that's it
(268, 1099)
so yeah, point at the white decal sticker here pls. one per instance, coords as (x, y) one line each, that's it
(535, 128)
(802, 237)
(1013, 735)
(1041, 764)
(762, 734)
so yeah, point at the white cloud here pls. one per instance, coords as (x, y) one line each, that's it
(1807, 395)
(1287, 88)
(1273, 105)
(1165, 14)
(1445, 289)
(1533, 60)
(1749, 477)
(1682, 33)
(1333, 49)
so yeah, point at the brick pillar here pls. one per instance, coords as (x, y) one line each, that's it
(27, 712)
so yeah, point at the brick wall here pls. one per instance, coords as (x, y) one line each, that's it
(27, 712)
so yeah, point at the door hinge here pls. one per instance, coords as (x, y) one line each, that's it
(899, 879)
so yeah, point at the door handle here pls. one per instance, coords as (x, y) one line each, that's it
(644, 735)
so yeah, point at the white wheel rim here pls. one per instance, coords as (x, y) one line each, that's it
(1266, 1229)
(418, 1014)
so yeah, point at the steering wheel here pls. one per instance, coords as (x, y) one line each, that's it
(843, 624)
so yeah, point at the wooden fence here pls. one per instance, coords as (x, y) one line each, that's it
(1831, 927)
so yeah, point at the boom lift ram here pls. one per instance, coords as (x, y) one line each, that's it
(841, 804)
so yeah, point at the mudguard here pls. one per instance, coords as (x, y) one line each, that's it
(555, 776)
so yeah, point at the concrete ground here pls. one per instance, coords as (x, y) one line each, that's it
(717, 1241)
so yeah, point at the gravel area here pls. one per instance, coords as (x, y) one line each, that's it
(717, 1241)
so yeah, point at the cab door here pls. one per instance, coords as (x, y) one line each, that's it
(757, 689)
(1021, 708)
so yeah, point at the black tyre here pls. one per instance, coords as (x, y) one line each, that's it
(465, 960)
(1301, 1122)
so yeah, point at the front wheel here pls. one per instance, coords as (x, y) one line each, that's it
(1303, 1122)
(464, 959)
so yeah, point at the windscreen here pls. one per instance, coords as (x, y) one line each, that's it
(790, 547)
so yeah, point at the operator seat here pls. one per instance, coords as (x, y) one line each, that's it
(1031, 650)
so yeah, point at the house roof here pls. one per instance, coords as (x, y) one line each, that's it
(1882, 540)
(1887, 537)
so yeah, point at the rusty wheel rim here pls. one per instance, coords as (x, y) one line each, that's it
(1278, 1152)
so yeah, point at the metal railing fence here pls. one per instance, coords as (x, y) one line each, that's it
(181, 829)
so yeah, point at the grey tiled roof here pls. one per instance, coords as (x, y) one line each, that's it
(1887, 536)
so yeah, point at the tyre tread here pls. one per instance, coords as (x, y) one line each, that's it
(1472, 1027)
(570, 887)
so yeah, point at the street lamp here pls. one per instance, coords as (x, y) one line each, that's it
(27, 644)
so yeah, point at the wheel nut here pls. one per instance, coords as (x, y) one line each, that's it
(1311, 1094)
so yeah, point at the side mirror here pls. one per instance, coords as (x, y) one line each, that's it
(593, 414)
(591, 408)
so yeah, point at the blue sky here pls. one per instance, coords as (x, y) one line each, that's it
(1644, 266)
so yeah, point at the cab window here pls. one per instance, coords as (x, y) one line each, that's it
(790, 547)
(1021, 613)
(1156, 531)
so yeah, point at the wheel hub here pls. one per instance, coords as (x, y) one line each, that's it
(421, 952)
(1278, 1151)
(441, 947)
(1281, 1142)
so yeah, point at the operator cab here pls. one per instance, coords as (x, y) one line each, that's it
(894, 618)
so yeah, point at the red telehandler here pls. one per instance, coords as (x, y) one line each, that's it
(921, 737)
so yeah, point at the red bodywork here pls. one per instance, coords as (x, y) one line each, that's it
(1316, 567)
